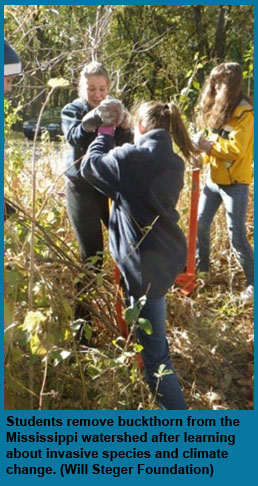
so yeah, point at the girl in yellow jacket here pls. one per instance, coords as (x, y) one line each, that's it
(228, 115)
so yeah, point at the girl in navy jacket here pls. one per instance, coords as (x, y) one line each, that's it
(144, 181)
(86, 207)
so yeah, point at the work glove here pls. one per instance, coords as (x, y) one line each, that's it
(110, 112)
(91, 121)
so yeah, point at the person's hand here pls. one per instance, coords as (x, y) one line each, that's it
(111, 111)
(196, 139)
(91, 121)
(197, 161)
(127, 121)
(201, 144)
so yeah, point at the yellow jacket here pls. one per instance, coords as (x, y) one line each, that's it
(231, 154)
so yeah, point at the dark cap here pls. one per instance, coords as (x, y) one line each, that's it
(12, 63)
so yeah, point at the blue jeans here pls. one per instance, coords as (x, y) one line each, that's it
(156, 352)
(235, 199)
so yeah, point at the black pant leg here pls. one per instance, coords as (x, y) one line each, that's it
(86, 207)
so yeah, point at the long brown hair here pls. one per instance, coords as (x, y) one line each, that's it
(215, 108)
(154, 114)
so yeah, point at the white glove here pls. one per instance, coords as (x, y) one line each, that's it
(111, 111)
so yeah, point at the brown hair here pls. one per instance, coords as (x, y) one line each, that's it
(216, 108)
(94, 68)
(154, 114)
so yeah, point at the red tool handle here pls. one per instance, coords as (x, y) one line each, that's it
(192, 235)
(187, 280)
(119, 315)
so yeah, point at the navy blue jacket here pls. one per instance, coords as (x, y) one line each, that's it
(79, 140)
(144, 181)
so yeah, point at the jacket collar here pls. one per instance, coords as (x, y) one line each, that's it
(158, 134)
(242, 108)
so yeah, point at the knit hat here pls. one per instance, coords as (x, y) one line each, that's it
(12, 63)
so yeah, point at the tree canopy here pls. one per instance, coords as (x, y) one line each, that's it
(151, 51)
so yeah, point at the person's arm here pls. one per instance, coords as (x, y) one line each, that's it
(123, 136)
(100, 166)
(201, 144)
(235, 146)
(72, 125)
(78, 126)
(239, 139)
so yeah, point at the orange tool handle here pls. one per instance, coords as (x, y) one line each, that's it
(192, 235)
(118, 306)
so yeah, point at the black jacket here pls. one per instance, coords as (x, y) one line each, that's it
(79, 140)
(144, 181)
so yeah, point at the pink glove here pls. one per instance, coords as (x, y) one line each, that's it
(110, 130)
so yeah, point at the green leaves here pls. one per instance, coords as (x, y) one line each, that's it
(132, 313)
(39, 346)
(59, 355)
(81, 323)
(39, 339)
(33, 322)
(162, 371)
(11, 115)
(145, 325)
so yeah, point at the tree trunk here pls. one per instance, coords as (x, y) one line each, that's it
(220, 39)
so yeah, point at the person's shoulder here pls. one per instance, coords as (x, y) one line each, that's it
(130, 153)
(245, 104)
(76, 104)
(124, 150)
(243, 107)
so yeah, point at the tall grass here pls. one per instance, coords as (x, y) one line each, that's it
(210, 333)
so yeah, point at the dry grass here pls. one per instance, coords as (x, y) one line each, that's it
(210, 334)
